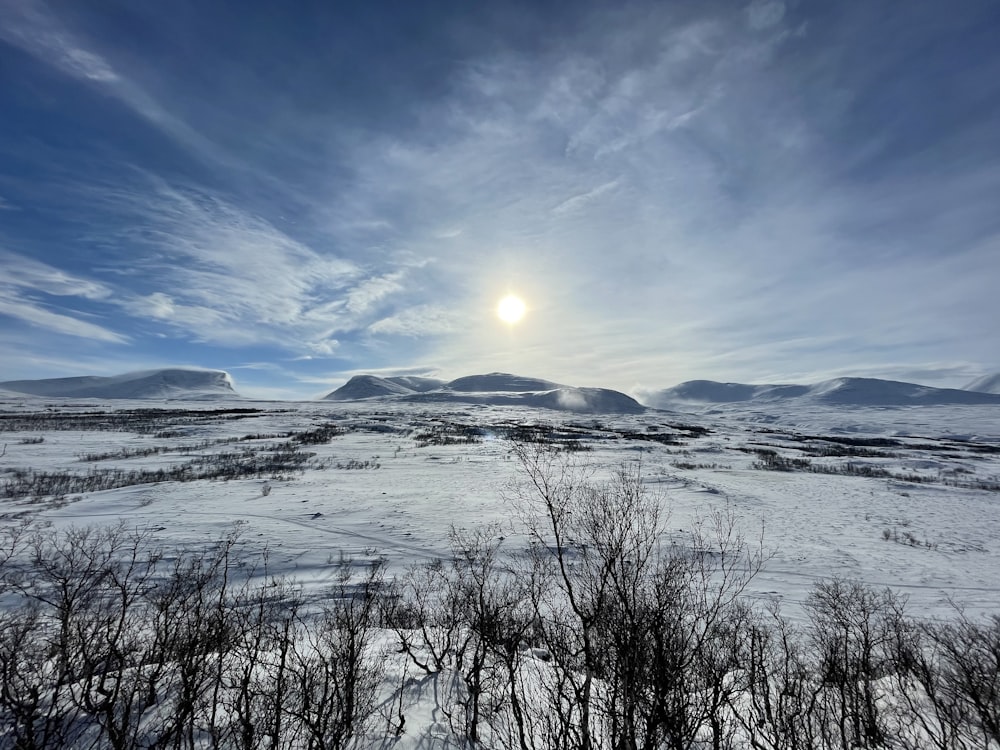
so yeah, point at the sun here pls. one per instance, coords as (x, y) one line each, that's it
(511, 309)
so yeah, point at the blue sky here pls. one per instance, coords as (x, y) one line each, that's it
(298, 192)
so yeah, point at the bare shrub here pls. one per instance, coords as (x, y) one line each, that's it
(642, 637)
(952, 681)
(853, 635)
(334, 668)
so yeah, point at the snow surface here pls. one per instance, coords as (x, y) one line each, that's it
(398, 475)
(820, 525)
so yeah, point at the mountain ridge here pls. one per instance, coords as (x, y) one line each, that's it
(847, 391)
(496, 389)
(171, 382)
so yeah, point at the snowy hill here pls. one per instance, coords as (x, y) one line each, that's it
(173, 383)
(497, 382)
(415, 383)
(367, 386)
(711, 392)
(985, 384)
(496, 389)
(838, 392)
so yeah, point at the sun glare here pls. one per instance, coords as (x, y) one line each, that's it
(511, 309)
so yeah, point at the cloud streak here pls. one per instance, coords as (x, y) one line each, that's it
(27, 279)
(36, 315)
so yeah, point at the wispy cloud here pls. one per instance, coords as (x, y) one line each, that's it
(25, 280)
(367, 295)
(29, 25)
(423, 320)
(221, 274)
(29, 274)
(32, 26)
(35, 314)
(580, 200)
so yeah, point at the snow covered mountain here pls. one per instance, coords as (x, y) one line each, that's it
(497, 382)
(367, 386)
(985, 384)
(839, 392)
(496, 388)
(371, 386)
(175, 383)
(415, 383)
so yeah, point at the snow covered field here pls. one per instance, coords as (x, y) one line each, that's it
(905, 497)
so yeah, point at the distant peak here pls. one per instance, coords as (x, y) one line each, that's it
(491, 389)
(501, 381)
(844, 391)
(170, 382)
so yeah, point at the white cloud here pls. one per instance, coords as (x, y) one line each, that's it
(424, 320)
(367, 294)
(228, 276)
(29, 25)
(576, 202)
(162, 307)
(324, 347)
(26, 278)
(32, 26)
(27, 273)
(33, 313)
(763, 14)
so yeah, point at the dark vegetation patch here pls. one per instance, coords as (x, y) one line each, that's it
(692, 465)
(566, 437)
(281, 456)
(320, 435)
(850, 442)
(693, 430)
(154, 450)
(355, 463)
(139, 421)
(771, 460)
(662, 438)
(275, 460)
(773, 456)
(448, 433)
